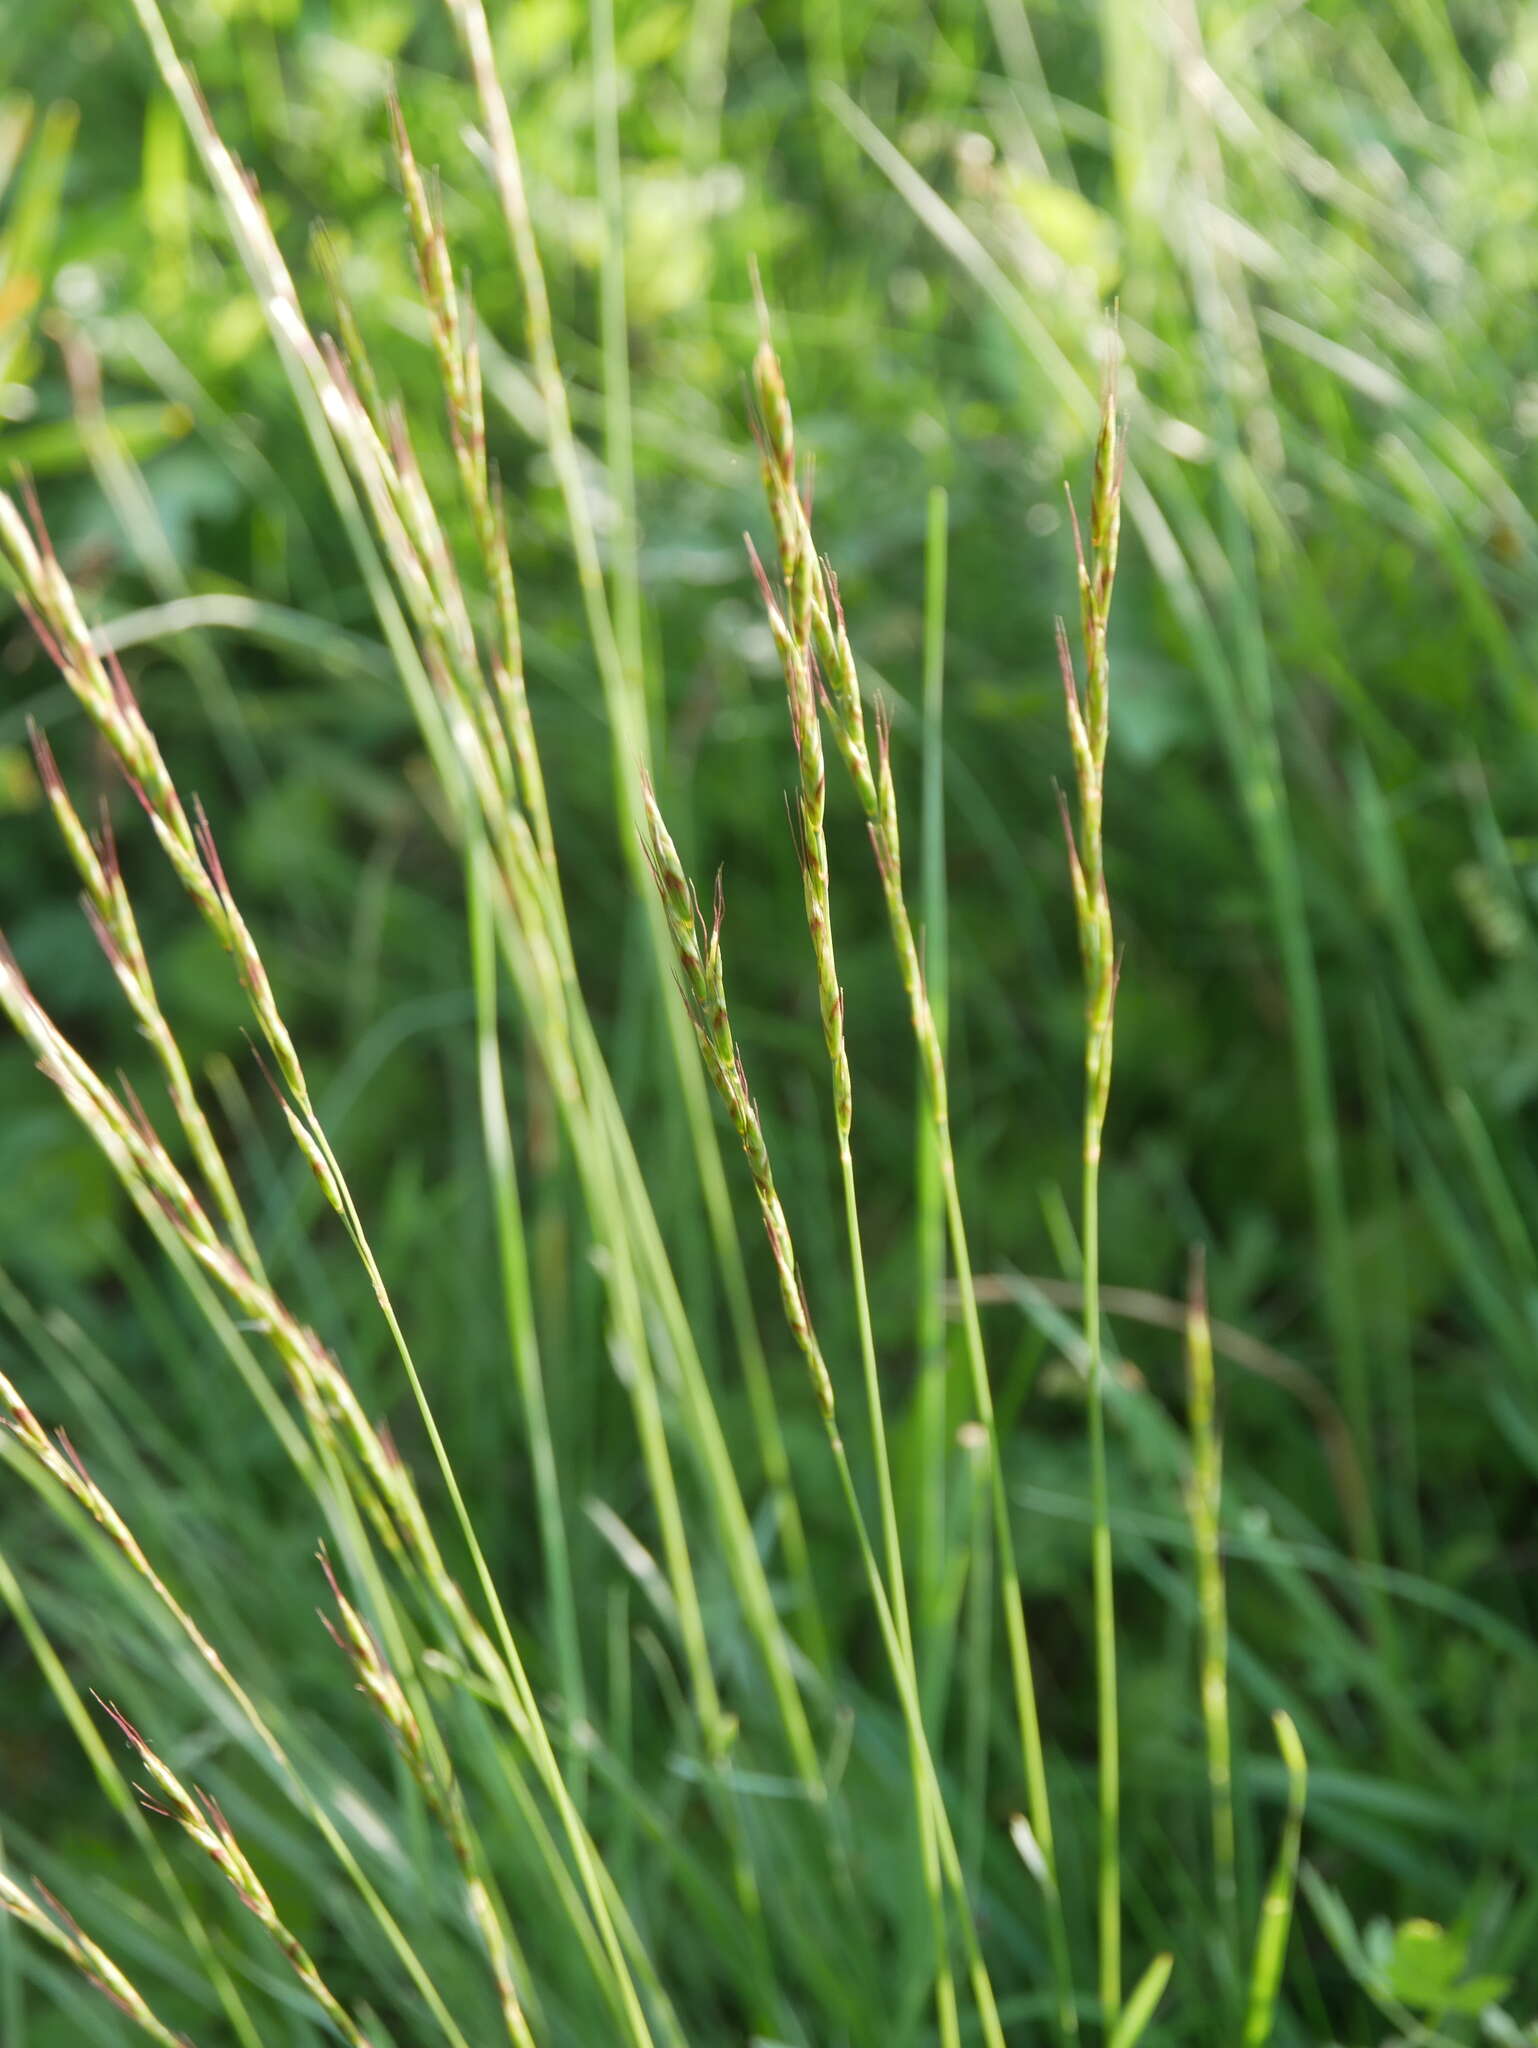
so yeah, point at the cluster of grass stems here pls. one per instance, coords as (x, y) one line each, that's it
(414, 1606)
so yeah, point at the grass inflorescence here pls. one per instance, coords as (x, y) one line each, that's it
(712, 1664)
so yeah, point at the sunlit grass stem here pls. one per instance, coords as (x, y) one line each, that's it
(385, 1488)
(338, 426)
(42, 1915)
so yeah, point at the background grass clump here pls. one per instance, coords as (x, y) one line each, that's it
(1317, 228)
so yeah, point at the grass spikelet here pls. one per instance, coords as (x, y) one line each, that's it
(842, 700)
(45, 1918)
(704, 988)
(200, 1818)
(429, 1766)
(704, 992)
(794, 639)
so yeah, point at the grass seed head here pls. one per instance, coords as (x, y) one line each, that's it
(43, 1916)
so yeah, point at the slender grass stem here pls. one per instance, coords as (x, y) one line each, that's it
(616, 1197)
(594, 1122)
(1204, 1502)
(333, 424)
(945, 1991)
(129, 1811)
(702, 983)
(1089, 733)
(383, 1484)
(624, 705)
(1276, 1907)
(843, 704)
(792, 631)
(977, 1646)
(499, 749)
(949, 1857)
(13, 1988)
(931, 1419)
(614, 350)
(522, 1335)
(473, 782)
(1028, 1720)
(1103, 1568)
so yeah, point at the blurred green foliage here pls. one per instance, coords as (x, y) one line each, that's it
(1318, 225)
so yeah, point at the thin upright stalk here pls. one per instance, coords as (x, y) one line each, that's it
(625, 709)
(518, 1305)
(614, 350)
(876, 790)
(500, 757)
(337, 428)
(702, 983)
(977, 1650)
(1276, 1907)
(792, 631)
(374, 1473)
(1204, 1502)
(930, 1418)
(1089, 731)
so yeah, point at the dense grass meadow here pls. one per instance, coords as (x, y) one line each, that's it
(935, 1441)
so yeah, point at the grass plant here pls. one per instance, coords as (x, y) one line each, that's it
(585, 1626)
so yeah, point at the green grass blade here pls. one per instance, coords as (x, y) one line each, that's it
(1276, 1907)
(1142, 2003)
(1205, 1509)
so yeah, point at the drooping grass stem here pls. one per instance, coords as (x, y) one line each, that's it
(339, 430)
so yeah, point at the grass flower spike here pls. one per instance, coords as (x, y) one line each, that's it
(1089, 730)
(704, 990)
(875, 787)
(201, 1820)
(46, 1919)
